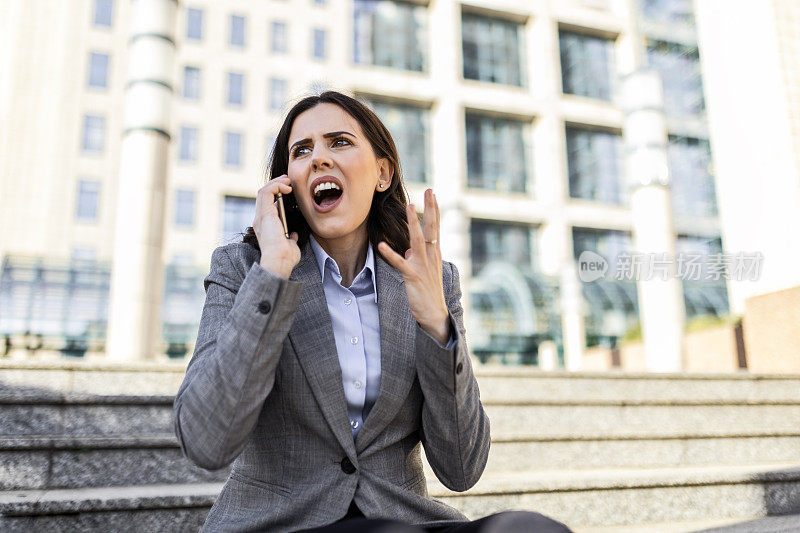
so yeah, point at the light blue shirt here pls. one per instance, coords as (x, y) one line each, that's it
(356, 328)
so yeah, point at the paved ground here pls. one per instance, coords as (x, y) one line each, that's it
(769, 524)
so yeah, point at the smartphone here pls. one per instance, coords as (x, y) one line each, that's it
(282, 215)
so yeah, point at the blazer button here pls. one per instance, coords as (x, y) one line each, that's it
(264, 307)
(459, 368)
(347, 466)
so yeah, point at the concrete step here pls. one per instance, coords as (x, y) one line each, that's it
(584, 500)
(51, 413)
(766, 524)
(499, 384)
(140, 508)
(89, 461)
(617, 497)
(85, 414)
(50, 462)
(640, 417)
(599, 451)
(98, 377)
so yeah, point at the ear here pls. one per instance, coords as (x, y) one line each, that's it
(385, 175)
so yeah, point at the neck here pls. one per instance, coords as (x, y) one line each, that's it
(349, 252)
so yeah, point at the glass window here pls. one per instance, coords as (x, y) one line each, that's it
(408, 125)
(235, 88)
(703, 294)
(691, 181)
(496, 153)
(238, 214)
(88, 199)
(189, 143)
(98, 70)
(587, 64)
(83, 254)
(695, 244)
(103, 12)
(668, 11)
(499, 241)
(237, 30)
(593, 161)
(182, 259)
(280, 37)
(233, 149)
(607, 243)
(391, 34)
(491, 49)
(194, 24)
(191, 83)
(184, 208)
(318, 44)
(679, 66)
(94, 133)
(277, 93)
(611, 304)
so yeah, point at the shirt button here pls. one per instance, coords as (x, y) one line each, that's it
(459, 368)
(264, 307)
(348, 301)
(353, 340)
(354, 423)
(357, 384)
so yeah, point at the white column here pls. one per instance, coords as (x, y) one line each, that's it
(572, 317)
(134, 330)
(661, 308)
(551, 186)
(448, 138)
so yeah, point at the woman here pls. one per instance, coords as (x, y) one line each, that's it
(321, 366)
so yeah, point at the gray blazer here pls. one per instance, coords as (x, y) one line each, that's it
(264, 390)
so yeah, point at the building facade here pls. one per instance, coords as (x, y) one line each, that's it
(511, 111)
(754, 122)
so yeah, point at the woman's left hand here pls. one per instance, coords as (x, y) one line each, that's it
(422, 270)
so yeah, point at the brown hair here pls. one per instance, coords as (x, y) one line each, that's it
(386, 220)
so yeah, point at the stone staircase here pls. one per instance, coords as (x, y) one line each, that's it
(90, 447)
(624, 452)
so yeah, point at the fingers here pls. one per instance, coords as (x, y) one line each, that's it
(393, 258)
(438, 221)
(267, 218)
(417, 241)
(430, 218)
(278, 185)
(266, 197)
(430, 228)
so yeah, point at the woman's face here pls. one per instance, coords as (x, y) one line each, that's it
(334, 171)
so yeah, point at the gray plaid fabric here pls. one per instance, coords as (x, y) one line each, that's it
(264, 390)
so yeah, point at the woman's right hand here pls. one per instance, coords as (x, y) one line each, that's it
(279, 255)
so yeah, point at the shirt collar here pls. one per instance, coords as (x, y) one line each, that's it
(325, 261)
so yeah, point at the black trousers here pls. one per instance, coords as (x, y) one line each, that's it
(504, 522)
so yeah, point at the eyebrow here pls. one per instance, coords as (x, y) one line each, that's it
(326, 135)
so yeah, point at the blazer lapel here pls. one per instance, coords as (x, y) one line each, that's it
(398, 330)
(312, 337)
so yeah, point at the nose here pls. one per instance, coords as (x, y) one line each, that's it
(320, 158)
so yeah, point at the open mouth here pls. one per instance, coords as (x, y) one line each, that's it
(327, 194)
(326, 191)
